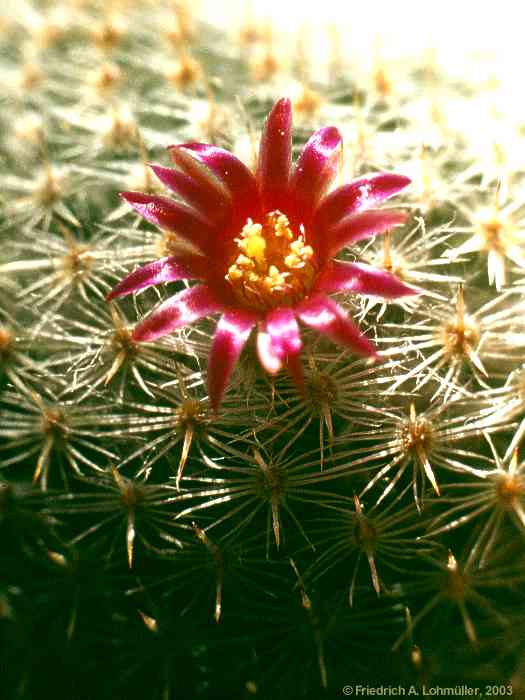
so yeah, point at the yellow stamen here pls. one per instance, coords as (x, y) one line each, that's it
(273, 266)
(252, 243)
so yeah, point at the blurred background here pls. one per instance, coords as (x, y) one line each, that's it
(462, 34)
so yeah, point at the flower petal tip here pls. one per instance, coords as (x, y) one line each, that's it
(330, 137)
(414, 291)
(282, 109)
(137, 335)
(157, 168)
(135, 198)
(267, 356)
(403, 181)
(401, 215)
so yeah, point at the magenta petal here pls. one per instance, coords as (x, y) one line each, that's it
(271, 362)
(279, 341)
(230, 337)
(190, 164)
(178, 311)
(234, 176)
(314, 171)
(359, 195)
(323, 314)
(356, 227)
(339, 276)
(285, 343)
(174, 216)
(283, 330)
(169, 269)
(275, 156)
(205, 200)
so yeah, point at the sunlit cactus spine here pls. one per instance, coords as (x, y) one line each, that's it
(314, 466)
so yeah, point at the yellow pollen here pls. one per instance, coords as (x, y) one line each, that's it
(252, 243)
(274, 278)
(234, 274)
(273, 266)
(282, 227)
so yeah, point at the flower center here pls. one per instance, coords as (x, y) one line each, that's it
(273, 266)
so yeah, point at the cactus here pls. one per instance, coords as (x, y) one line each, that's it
(188, 512)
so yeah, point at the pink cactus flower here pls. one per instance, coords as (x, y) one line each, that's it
(262, 246)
